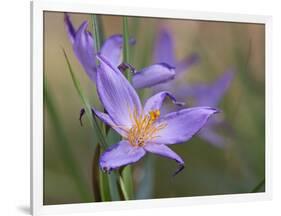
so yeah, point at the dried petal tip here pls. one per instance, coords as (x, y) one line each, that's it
(181, 167)
(82, 112)
(124, 66)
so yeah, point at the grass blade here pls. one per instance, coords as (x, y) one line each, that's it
(97, 31)
(145, 188)
(258, 187)
(104, 185)
(95, 175)
(128, 181)
(126, 47)
(93, 121)
(108, 182)
(123, 188)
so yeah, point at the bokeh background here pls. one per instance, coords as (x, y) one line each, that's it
(237, 168)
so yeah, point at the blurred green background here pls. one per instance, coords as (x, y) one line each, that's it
(238, 168)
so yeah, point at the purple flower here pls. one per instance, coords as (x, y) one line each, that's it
(83, 46)
(164, 52)
(84, 49)
(202, 95)
(209, 95)
(143, 129)
(164, 55)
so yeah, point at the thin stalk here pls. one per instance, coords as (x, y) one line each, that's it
(104, 185)
(126, 181)
(86, 104)
(107, 187)
(97, 32)
(95, 175)
(123, 188)
(259, 186)
(126, 47)
(98, 37)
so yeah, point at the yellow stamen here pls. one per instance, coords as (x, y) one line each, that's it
(143, 128)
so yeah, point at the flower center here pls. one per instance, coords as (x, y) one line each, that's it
(144, 128)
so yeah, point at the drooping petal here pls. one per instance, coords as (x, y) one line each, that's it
(83, 47)
(206, 94)
(218, 89)
(107, 120)
(112, 49)
(153, 75)
(120, 154)
(69, 28)
(164, 48)
(165, 151)
(155, 102)
(117, 95)
(186, 63)
(180, 126)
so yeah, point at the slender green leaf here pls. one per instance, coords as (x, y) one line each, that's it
(104, 185)
(92, 119)
(128, 181)
(123, 188)
(112, 180)
(258, 186)
(113, 138)
(126, 47)
(97, 31)
(64, 146)
(145, 187)
(107, 182)
(95, 175)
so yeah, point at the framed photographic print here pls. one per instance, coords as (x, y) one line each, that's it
(142, 106)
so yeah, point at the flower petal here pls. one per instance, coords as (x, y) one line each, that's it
(69, 28)
(153, 75)
(120, 154)
(155, 102)
(183, 124)
(83, 47)
(206, 94)
(164, 48)
(117, 95)
(107, 120)
(218, 89)
(187, 62)
(165, 151)
(112, 49)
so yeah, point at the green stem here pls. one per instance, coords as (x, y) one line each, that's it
(86, 104)
(259, 186)
(97, 32)
(126, 48)
(123, 188)
(95, 175)
(128, 181)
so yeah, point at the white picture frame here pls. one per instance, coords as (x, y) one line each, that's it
(37, 10)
